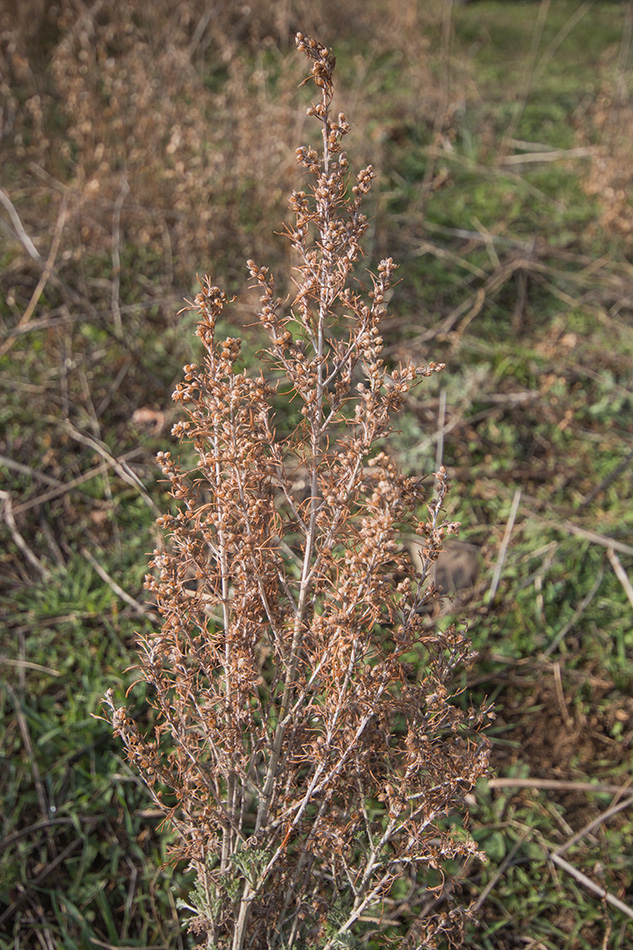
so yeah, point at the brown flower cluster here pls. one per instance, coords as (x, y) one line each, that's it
(307, 747)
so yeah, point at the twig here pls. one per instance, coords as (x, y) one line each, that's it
(556, 785)
(592, 536)
(116, 382)
(7, 510)
(121, 468)
(553, 155)
(498, 400)
(621, 574)
(505, 543)
(617, 273)
(501, 870)
(27, 470)
(50, 539)
(34, 882)
(118, 946)
(439, 451)
(561, 36)
(529, 69)
(537, 576)
(23, 237)
(44, 278)
(139, 608)
(556, 291)
(492, 173)
(562, 633)
(531, 664)
(443, 254)
(466, 234)
(16, 836)
(116, 256)
(607, 481)
(526, 146)
(473, 305)
(609, 813)
(28, 665)
(61, 316)
(28, 745)
(442, 108)
(624, 54)
(489, 244)
(198, 33)
(560, 695)
(591, 885)
(63, 489)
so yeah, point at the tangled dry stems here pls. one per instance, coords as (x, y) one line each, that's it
(609, 175)
(147, 103)
(307, 763)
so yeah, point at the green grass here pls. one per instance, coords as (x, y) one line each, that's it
(66, 790)
(563, 701)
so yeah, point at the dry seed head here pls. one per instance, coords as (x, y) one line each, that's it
(281, 673)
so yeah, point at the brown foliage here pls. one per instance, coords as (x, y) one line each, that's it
(172, 118)
(609, 177)
(306, 763)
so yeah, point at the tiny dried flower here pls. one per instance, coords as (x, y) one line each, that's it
(310, 762)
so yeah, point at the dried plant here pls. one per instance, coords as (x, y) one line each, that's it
(609, 173)
(144, 118)
(306, 747)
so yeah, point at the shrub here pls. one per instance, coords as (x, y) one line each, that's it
(306, 746)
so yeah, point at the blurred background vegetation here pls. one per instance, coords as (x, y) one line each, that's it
(142, 144)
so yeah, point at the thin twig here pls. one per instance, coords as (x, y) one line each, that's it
(442, 107)
(472, 306)
(439, 452)
(7, 510)
(28, 745)
(529, 69)
(556, 785)
(553, 155)
(119, 946)
(592, 536)
(120, 467)
(16, 836)
(44, 278)
(32, 884)
(490, 245)
(492, 173)
(501, 870)
(562, 633)
(561, 36)
(560, 695)
(28, 665)
(64, 489)
(611, 477)
(621, 574)
(28, 470)
(62, 317)
(116, 255)
(591, 885)
(199, 31)
(455, 260)
(505, 544)
(138, 608)
(600, 820)
(22, 236)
